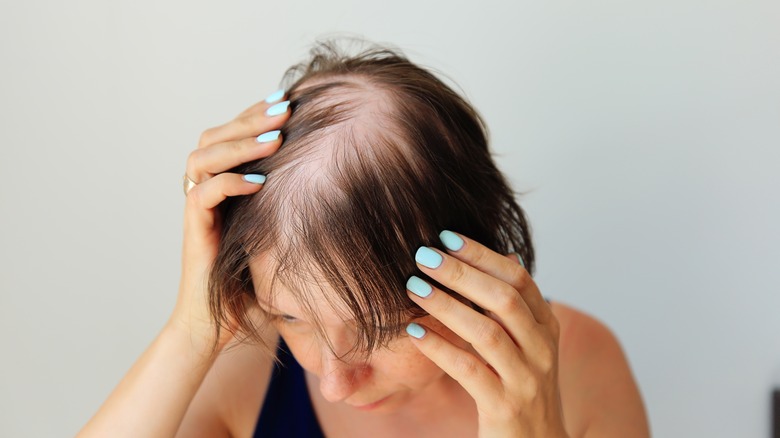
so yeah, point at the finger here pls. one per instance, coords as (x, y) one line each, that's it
(484, 334)
(248, 125)
(496, 265)
(275, 97)
(476, 378)
(211, 192)
(515, 258)
(203, 163)
(490, 293)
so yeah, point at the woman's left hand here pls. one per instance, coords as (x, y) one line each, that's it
(516, 391)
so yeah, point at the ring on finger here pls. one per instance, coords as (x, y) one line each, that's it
(188, 184)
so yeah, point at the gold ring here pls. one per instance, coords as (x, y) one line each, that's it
(188, 184)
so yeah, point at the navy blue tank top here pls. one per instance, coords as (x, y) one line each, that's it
(287, 410)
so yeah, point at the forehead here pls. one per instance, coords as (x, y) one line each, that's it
(274, 294)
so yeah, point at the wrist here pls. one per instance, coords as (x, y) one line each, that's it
(512, 429)
(200, 342)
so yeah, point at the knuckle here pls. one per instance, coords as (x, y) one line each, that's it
(193, 162)
(205, 138)
(466, 366)
(247, 122)
(458, 274)
(520, 278)
(236, 147)
(479, 256)
(435, 348)
(489, 333)
(508, 301)
(447, 305)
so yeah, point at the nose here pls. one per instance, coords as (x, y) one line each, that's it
(340, 377)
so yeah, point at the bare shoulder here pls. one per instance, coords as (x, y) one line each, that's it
(228, 401)
(599, 394)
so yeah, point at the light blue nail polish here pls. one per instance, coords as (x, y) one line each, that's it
(519, 259)
(279, 108)
(451, 240)
(415, 330)
(418, 286)
(268, 136)
(275, 96)
(428, 257)
(254, 178)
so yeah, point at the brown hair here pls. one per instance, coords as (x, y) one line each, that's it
(378, 157)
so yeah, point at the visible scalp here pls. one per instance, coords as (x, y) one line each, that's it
(378, 157)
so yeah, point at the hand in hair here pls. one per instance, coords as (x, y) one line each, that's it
(516, 391)
(158, 391)
(252, 135)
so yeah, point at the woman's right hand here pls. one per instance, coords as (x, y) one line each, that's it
(219, 149)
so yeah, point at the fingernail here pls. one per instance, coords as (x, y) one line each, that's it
(519, 259)
(254, 178)
(451, 240)
(418, 286)
(268, 136)
(279, 108)
(275, 96)
(415, 330)
(428, 257)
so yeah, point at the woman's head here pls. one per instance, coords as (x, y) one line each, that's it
(378, 157)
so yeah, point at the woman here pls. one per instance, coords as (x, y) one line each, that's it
(370, 277)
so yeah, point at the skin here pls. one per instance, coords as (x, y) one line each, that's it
(160, 396)
(400, 371)
(514, 379)
(442, 380)
(599, 394)
(181, 387)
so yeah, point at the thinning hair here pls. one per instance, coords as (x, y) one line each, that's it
(378, 157)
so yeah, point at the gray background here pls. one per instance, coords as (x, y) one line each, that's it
(646, 133)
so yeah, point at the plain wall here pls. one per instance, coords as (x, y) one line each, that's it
(646, 134)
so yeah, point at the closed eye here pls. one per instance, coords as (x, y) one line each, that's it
(287, 318)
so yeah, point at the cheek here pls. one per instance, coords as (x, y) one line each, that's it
(303, 347)
(415, 370)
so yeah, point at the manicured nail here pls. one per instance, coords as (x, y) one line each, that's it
(275, 96)
(279, 108)
(268, 136)
(519, 259)
(254, 178)
(428, 257)
(451, 240)
(415, 330)
(418, 286)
